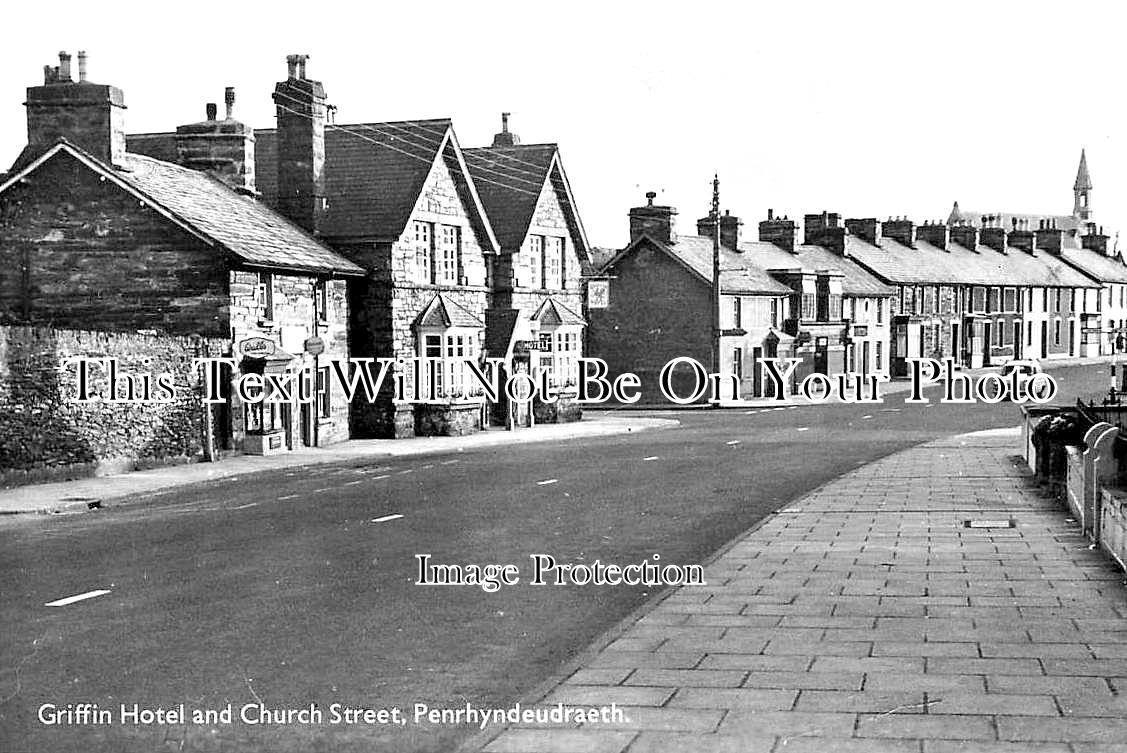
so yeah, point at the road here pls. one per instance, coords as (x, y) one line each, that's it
(298, 589)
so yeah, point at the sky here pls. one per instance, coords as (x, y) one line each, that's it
(861, 108)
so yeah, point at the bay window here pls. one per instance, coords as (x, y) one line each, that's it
(451, 347)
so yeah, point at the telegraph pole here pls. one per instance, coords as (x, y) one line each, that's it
(715, 274)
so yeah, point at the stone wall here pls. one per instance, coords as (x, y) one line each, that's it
(79, 252)
(44, 437)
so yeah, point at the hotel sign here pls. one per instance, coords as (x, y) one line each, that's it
(598, 294)
(257, 347)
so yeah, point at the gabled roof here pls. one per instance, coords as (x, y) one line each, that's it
(553, 312)
(443, 311)
(510, 180)
(856, 280)
(210, 210)
(738, 273)
(375, 173)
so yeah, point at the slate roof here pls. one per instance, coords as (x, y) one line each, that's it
(509, 181)
(1095, 264)
(599, 257)
(929, 265)
(247, 228)
(374, 174)
(737, 273)
(443, 311)
(552, 311)
(856, 280)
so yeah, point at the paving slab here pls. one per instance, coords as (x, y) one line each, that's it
(866, 616)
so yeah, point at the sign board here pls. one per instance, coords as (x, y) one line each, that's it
(736, 332)
(314, 346)
(526, 345)
(598, 294)
(257, 347)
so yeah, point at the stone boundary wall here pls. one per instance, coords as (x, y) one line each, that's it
(46, 437)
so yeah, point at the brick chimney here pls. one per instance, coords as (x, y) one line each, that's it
(89, 115)
(731, 230)
(505, 137)
(965, 235)
(1095, 241)
(1021, 236)
(779, 231)
(867, 229)
(300, 106)
(900, 229)
(935, 233)
(1048, 237)
(659, 222)
(824, 230)
(223, 148)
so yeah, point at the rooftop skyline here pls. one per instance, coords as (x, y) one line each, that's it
(866, 109)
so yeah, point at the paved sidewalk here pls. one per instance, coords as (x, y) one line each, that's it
(82, 493)
(866, 617)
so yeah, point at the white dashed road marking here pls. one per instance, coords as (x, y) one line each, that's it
(734, 441)
(354, 483)
(377, 478)
(545, 482)
(409, 470)
(449, 462)
(288, 496)
(386, 518)
(79, 597)
(243, 507)
(651, 457)
(803, 428)
(323, 489)
(865, 417)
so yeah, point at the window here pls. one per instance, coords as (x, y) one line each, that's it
(774, 312)
(1029, 333)
(423, 272)
(880, 310)
(553, 263)
(1057, 291)
(1009, 299)
(1056, 332)
(535, 261)
(809, 306)
(738, 362)
(567, 357)
(321, 300)
(737, 312)
(978, 299)
(324, 393)
(264, 295)
(834, 314)
(448, 256)
(879, 353)
(452, 348)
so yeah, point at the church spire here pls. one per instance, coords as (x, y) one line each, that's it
(1081, 191)
(1083, 180)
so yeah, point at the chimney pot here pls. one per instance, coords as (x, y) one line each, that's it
(211, 110)
(81, 65)
(650, 196)
(229, 100)
(770, 214)
(505, 122)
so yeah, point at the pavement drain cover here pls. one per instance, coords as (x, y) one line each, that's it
(1011, 523)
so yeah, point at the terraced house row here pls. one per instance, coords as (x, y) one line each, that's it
(283, 247)
(861, 295)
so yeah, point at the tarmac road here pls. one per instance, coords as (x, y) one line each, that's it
(297, 590)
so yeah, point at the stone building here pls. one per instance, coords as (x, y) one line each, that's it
(657, 307)
(534, 316)
(398, 200)
(105, 239)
